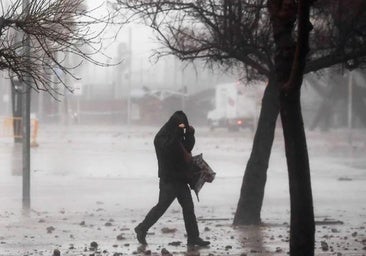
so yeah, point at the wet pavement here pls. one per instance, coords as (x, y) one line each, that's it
(94, 183)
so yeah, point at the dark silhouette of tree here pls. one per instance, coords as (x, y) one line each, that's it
(337, 38)
(290, 60)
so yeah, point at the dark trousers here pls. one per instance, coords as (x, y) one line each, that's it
(168, 192)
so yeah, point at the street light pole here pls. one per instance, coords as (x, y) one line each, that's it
(129, 78)
(26, 123)
(350, 103)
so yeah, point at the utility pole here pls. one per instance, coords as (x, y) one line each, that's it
(129, 77)
(26, 122)
(350, 103)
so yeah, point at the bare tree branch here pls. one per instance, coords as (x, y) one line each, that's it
(57, 30)
(238, 32)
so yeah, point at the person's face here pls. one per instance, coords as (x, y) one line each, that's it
(183, 127)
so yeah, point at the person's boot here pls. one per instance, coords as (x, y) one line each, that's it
(141, 235)
(197, 241)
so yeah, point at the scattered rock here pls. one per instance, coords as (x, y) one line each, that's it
(165, 252)
(344, 179)
(278, 249)
(175, 243)
(93, 246)
(50, 229)
(228, 247)
(120, 237)
(324, 246)
(56, 252)
(168, 230)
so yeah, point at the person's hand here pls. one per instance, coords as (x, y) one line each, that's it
(190, 130)
(182, 125)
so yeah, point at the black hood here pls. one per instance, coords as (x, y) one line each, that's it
(177, 118)
(170, 128)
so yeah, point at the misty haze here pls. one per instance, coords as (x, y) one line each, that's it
(94, 170)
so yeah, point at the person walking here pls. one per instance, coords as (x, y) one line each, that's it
(173, 145)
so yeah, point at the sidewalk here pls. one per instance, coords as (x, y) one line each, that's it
(93, 184)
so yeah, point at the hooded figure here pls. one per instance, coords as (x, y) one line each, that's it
(173, 145)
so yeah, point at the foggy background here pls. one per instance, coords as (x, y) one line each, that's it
(140, 89)
(95, 159)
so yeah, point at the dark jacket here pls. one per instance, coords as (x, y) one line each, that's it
(173, 149)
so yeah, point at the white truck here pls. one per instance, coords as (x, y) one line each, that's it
(235, 107)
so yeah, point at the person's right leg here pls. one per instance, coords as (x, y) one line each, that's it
(166, 197)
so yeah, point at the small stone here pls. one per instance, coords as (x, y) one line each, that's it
(176, 243)
(228, 247)
(50, 229)
(168, 230)
(165, 252)
(56, 252)
(120, 237)
(93, 246)
(324, 246)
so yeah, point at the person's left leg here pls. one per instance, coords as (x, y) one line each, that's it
(166, 197)
(185, 200)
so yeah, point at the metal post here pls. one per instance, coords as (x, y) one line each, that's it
(350, 99)
(26, 124)
(129, 77)
(183, 88)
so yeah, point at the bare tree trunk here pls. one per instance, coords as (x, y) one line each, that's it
(249, 207)
(290, 64)
(302, 214)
